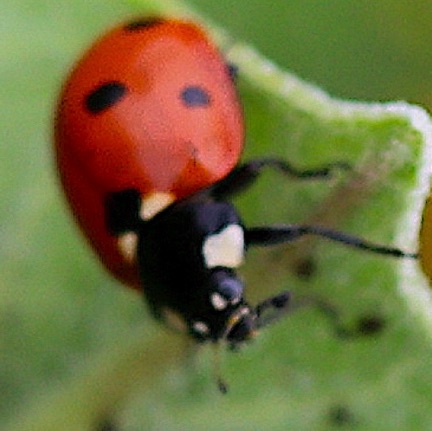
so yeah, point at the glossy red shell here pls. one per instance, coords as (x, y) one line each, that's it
(149, 140)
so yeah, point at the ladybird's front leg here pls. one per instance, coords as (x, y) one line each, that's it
(246, 174)
(275, 307)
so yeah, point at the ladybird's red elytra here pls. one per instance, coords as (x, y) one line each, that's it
(148, 135)
(152, 107)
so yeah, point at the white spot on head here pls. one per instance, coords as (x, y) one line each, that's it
(154, 203)
(225, 248)
(127, 244)
(235, 300)
(218, 301)
(201, 327)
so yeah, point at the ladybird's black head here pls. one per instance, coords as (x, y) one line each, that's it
(223, 314)
(235, 327)
(228, 318)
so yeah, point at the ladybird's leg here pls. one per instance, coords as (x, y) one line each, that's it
(245, 175)
(274, 308)
(122, 211)
(272, 235)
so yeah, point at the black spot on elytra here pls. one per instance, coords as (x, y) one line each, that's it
(144, 23)
(194, 96)
(105, 96)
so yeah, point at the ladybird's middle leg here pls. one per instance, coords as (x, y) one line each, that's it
(282, 234)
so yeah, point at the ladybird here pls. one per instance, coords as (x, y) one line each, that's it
(148, 136)
(151, 107)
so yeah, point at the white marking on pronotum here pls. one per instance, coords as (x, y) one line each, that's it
(218, 301)
(225, 248)
(127, 244)
(201, 328)
(154, 203)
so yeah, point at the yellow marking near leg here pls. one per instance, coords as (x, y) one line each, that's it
(154, 203)
(127, 245)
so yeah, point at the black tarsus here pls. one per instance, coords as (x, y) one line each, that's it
(272, 309)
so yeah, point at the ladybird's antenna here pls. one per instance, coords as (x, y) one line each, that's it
(217, 361)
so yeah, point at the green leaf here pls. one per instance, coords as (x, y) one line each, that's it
(76, 350)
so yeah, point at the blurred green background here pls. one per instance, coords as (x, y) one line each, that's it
(354, 49)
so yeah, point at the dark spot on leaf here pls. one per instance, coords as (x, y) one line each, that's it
(370, 325)
(305, 267)
(340, 415)
(106, 425)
